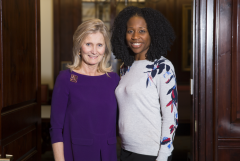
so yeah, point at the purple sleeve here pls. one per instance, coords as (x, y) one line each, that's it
(58, 107)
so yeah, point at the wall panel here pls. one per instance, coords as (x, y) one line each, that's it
(67, 17)
(235, 118)
(227, 82)
(20, 111)
(18, 56)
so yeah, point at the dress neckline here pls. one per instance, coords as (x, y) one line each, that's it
(87, 75)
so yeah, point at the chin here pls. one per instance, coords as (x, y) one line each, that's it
(93, 63)
(136, 52)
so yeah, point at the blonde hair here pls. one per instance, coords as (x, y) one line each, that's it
(89, 27)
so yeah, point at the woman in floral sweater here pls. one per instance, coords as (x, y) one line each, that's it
(147, 91)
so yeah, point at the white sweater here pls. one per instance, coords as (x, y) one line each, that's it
(147, 100)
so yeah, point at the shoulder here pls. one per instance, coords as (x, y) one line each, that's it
(124, 69)
(168, 63)
(114, 75)
(166, 70)
(164, 63)
(164, 60)
(161, 68)
(63, 75)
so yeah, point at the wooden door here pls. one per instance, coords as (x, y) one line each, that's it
(216, 80)
(20, 119)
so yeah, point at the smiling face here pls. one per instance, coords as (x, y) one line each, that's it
(93, 49)
(137, 36)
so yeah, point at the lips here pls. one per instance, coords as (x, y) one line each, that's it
(92, 57)
(136, 45)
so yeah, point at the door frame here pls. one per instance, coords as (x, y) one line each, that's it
(202, 71)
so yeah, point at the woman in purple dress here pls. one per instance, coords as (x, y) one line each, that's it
(84, 107)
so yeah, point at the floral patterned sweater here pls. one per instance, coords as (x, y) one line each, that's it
(147, 100)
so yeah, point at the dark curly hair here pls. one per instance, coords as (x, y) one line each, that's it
(160, 31)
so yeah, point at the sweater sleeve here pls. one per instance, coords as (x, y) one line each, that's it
(167, 90)
(58, 108)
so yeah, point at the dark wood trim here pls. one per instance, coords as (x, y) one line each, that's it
(235, 118)
(8, 109)
(19, 109)
(209, 68)
(17, 135)
(112, 12)
(203, 79)
(228, 143)
(77, 13)
(1, 72)
(30, 155)
(195, 82)
(57, 29)
(38, 78)
(202, 83)
(1, 61)
(215, 139)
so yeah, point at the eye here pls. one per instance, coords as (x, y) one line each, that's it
(142, 31)
(87, 44)
(100, 45)
(130, 31)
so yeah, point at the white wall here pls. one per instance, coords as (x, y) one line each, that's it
(46, 12)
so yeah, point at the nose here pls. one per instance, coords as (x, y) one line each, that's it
(135, 36)
(94, 50)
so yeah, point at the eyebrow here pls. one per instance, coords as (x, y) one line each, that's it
(138, 27)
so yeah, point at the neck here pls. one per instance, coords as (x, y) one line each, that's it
(90, 70)
(140, 57)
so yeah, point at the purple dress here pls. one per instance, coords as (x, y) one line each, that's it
(84, 116)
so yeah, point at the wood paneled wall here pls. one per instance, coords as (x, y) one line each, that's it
(216, 79)
(20, 110)
(227, 82)
(67, 17)
(236, 62)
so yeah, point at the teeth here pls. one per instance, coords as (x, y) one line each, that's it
(136, 43)
(92, 56)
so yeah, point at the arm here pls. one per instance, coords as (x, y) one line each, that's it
(58, 151)
(167, 90)
(58, 110)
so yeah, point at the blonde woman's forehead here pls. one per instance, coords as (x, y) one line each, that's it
(95, 37)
